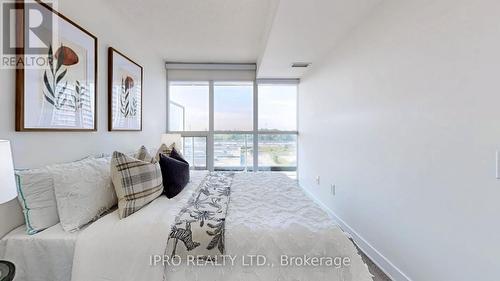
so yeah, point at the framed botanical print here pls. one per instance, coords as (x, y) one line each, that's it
(59, 92)
(125, 93)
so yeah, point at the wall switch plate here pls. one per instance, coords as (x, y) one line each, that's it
(497, 164)
(317, 180)
(332, 189)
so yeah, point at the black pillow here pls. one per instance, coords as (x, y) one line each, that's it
(175, 174)
(177, 155)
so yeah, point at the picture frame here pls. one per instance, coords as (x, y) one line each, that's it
(125, 92)
(60, 95)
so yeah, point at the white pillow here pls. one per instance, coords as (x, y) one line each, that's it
(83, 191)
(36, 194)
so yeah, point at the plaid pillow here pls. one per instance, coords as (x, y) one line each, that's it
(143, 155)
(137, 181)
(165, 150)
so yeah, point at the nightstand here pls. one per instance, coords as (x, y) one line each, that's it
(7, 271)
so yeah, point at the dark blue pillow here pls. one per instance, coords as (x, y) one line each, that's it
(175, 174)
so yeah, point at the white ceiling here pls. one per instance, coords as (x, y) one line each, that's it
(306, 31)
(200, 30)
(273, 33)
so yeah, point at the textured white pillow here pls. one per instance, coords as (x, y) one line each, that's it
(83, 191)
(36, 194)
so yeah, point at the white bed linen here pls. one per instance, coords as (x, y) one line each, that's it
(114, 249)
(268, 215)
(47, 255)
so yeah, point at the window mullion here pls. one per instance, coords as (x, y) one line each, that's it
(255, 127)
(167, 127)
(297, 129)
(210, 137)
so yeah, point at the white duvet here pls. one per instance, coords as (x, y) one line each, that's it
(268, 216)
(47, 255)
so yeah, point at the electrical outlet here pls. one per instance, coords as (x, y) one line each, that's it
(332, 189)
(317, 180)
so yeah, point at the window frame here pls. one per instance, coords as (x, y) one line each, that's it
(236, 168)
(194, 166)
(209, 135)
(184, 109)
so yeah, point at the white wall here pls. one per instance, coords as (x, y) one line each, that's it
(404, 117)
(35, 149)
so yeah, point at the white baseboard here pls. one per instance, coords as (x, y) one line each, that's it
(380, 260)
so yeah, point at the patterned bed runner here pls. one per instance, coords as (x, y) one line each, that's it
(199, 228)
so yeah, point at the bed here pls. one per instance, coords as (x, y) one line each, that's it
(268, 215)
(47, 255)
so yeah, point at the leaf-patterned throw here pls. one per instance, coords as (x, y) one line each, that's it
(199, 228)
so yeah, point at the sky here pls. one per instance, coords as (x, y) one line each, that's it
(233, 106)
